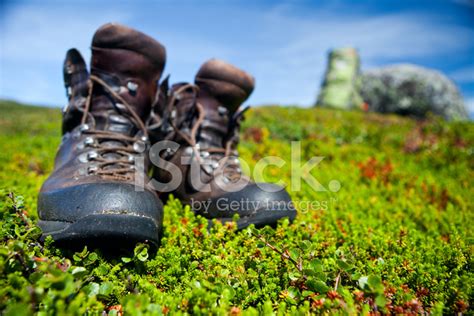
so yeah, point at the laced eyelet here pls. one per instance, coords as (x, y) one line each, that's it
(131, 158)
(188, 150)
(91, 155)
(92, 169)
(139, 146)
(69, 68)
(84, 127)
(89, 141)
(222, 110)
(83, 158)
(132, 86)
(168, 152)
(120, 106)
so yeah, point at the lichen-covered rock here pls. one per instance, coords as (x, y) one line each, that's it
(339, 89)
(411, 90)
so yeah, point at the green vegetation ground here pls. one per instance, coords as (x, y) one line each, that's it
(396, 238)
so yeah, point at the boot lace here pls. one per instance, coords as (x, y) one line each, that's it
(221, 160)
(113, 154)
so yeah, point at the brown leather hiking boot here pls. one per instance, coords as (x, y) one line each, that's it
(97, 193)
(204, 119)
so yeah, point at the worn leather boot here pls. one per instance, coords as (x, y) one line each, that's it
(204, 119)
(98, 193)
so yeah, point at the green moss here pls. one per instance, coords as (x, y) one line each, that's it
(395, 238)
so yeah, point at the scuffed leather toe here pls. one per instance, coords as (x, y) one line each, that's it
(101, 211)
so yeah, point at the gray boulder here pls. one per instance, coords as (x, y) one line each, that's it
(411, 90)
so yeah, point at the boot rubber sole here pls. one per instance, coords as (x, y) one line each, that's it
(108, 231)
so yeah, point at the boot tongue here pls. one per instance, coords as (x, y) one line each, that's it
(120, 71)
(222, 89)
(215, 126)
(110, 115)
(108, 118)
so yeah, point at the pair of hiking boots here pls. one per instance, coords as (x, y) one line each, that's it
(128, 142)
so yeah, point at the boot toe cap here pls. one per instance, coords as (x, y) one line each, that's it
(114, 213)
(258, 203)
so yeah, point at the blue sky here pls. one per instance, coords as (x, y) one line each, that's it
(283, 44)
